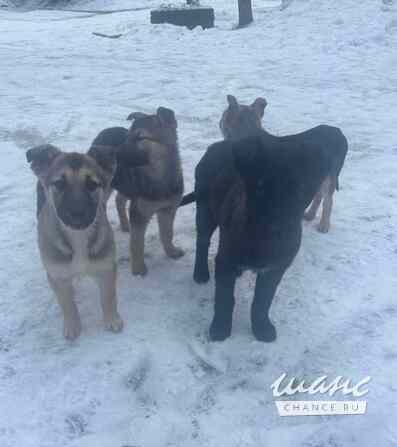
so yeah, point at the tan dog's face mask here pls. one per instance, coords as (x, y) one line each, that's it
(75, 184)
(241, 121)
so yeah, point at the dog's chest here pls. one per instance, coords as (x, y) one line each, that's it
(79, 244)
(81, 264)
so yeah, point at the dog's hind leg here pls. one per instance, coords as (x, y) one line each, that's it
(328, 187)
(107, 285)
(310, 214)
(165, 219)
(265, 289)
(205, 226)
(121, 203)
(63, 289)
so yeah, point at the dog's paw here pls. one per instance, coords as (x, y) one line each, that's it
(220, 331)
(72, 329)
(201, 277)
(175, 252)
(139, 269)
(323, 227)
(114, 324)
(264, 331)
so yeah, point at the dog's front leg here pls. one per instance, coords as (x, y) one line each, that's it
(64, 291)
(225, 280)
(265, 289)
(138, 223)
(121, 203)
(107, 285)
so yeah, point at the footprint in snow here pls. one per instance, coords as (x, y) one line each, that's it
(139, 374)
(76, 425)
(210, 358)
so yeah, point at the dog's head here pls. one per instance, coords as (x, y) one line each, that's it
(76, 185)
(160, 127)
(241, 121)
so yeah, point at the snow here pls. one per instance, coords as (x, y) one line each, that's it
(160, 382)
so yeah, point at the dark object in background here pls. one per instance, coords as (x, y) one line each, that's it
(244, 13)
(189, 17)
(109, 36)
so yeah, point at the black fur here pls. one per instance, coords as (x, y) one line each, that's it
(330, 139)
(115, 138)
(256, 191)
(188, 199)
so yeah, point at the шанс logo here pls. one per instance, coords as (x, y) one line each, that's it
(282, 387)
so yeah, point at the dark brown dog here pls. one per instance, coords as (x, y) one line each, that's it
(239, 121)
(156, 187)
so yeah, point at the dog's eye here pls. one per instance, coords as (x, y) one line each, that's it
(59, 184)
(91, 184)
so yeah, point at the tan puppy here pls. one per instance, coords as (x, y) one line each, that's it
(74, 235)
(157, 187)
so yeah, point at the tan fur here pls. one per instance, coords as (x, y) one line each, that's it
(141, 212)
(121, 203)
(324, 195)
(68, 253)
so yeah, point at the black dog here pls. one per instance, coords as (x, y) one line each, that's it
(256, 191)
(241, 121)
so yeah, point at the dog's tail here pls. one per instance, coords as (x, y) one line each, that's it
(188, 198)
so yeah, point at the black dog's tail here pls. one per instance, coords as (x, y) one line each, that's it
(188, 198)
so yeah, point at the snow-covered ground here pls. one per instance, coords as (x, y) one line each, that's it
(160, 383)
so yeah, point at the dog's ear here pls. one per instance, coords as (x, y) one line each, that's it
(41, 157)
(249, 158)
(136, 116)
(105, 157)
(259, 106)
(167, 117)
(232, 101)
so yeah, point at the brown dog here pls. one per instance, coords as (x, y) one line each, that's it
(239, 121)
(155, 187)
(74, 235)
